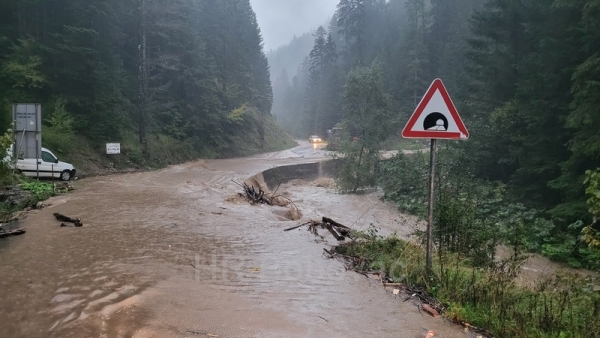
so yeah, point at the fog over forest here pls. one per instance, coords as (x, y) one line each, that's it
(280, 21)
(519, 72)
(225, 122)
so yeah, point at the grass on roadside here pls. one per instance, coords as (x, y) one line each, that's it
(563, 306)
(39, 191)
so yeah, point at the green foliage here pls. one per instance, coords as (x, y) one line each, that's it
(205, 61)
(524, 76)
(40, 190)
(367, 104)
(561, 306)
(60, 120)
(459, 230)
(396, 142)
(237, 115)
(59, 135)
(358, 167)
(591, 233)
(468, 212)
(472, 216)
(258, 133)
(6, 167)
(404, 181)
(22, 66)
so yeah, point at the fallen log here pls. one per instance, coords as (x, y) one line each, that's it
(332, 222)
(344, 232)
(334, 232)
(14, 232)
(67, 219)
(342, 229)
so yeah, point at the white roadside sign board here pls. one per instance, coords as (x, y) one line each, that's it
(113, 148)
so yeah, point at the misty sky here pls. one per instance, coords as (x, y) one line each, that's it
(280, 20)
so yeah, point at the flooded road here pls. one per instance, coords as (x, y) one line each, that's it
(173, 253)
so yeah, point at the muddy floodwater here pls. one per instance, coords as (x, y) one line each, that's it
(173, 253)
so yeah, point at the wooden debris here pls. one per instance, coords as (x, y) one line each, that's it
(14, 232)
(313, 228)
(295, 227)
(334, 232)
(425, 301)
(394, 285)
(342, 229)
(64, 186)
(351, 262)
(431, 311)
(258, 196)
(255, 196)
(332, 222)
(67, 219)
(339, 231)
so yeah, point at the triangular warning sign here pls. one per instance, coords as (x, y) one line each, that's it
(436, 117)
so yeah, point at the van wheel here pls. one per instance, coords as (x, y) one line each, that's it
(65, 175)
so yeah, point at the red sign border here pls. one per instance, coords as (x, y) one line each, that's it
(429, 134)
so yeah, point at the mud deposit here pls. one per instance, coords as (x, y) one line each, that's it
(175, 253)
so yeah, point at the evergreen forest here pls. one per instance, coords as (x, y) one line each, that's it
(524, 75)
(177, 80)
(170, 80)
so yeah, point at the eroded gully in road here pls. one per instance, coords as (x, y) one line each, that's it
(170, 253)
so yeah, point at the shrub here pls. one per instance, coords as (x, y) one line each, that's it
(561, 306)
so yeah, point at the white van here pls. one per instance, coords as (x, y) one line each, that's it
(48, 166)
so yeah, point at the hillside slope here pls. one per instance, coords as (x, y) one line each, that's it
(170, 81)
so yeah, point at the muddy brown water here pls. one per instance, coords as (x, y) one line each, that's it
(170, 253)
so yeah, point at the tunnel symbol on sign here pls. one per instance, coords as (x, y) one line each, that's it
(436, 117)
(435, 121)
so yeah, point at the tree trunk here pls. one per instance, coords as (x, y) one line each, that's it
(357, 184)
(142, 73)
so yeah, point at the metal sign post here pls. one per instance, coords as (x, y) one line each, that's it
(435, 118)
(113, 149)
(431, 191)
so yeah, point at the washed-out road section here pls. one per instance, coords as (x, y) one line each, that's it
(174, 253)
